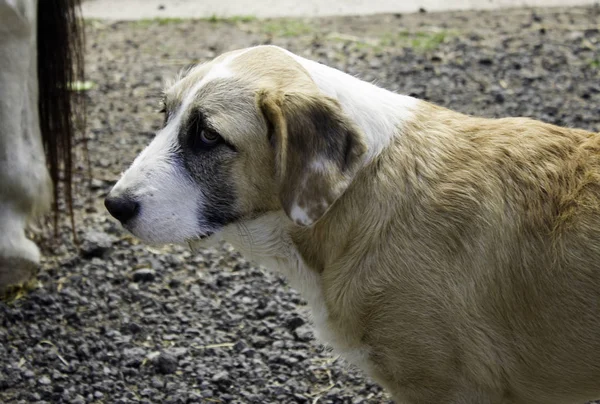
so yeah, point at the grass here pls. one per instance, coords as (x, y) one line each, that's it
(212, 19)
(146, 22)
(428, 42)
(287, 28)
(234, 19)
(595, 63)
(422, 41)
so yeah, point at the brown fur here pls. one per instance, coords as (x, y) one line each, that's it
(474, 261)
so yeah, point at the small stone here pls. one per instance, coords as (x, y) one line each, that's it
(176, 352)
(239, 346)
(144, 275)
(157, 383)
(133, 356)
(499, 98)
(95, 244)
(45, 381)
(221, 377)
(133, 328)
(130, 353)
(294, 323)
(97, 184)
(147, 393)
(193, 331)
(288, 360)
(485, 61)
(303, 333)
(78, 400)
(166, 364)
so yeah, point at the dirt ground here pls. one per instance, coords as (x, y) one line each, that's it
(117, 322)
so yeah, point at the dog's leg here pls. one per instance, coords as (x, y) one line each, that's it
(25, 186)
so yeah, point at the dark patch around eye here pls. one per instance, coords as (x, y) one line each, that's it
(212, 171)
(209, 165)
(196, 125)
(192, 139)
(212, 168)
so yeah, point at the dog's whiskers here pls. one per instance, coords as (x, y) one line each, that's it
(246, 235)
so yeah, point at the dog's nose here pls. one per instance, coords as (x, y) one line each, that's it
(122, 208)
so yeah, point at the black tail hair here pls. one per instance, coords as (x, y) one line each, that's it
(60, 61)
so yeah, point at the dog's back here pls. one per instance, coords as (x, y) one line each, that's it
(487, 275)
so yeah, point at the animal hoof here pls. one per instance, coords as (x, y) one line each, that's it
(17, 276)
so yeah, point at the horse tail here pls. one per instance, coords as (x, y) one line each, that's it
(60, 63)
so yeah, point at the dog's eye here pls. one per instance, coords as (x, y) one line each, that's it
(209, 137)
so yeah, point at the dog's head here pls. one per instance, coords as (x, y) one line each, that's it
(245, 134)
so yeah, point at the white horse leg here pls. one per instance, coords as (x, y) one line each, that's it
(25, 186)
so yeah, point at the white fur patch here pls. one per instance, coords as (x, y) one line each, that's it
(320, 166)
(299, 216)
(266, 241)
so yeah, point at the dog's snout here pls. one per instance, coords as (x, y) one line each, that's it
(123, 208)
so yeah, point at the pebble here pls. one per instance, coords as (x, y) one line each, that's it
(221, 377)
(95, 244)
(44, 381)
(166, 364)
(144, 275)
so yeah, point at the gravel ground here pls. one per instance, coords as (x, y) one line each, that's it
(116, 321)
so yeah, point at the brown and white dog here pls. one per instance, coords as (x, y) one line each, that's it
(455, 259)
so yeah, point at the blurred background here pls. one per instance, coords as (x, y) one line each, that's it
(134, 9)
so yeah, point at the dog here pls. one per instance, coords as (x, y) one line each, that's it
(454, 259)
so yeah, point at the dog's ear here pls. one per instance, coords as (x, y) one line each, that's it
(318, 151)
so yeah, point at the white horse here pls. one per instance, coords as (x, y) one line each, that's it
(41, 54)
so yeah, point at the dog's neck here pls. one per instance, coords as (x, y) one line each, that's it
(379, 113)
